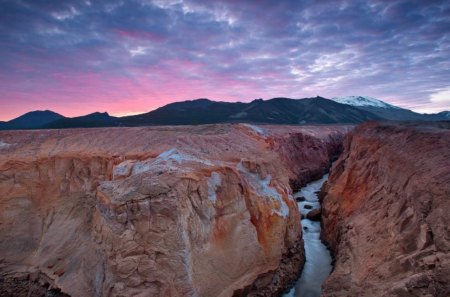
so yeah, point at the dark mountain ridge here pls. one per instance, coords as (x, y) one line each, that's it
(96, 119)
(274, 111)
(317, 110)
(31, 120)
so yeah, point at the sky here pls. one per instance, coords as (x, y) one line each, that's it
(128, 57)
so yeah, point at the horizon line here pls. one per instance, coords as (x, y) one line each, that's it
(125, 114)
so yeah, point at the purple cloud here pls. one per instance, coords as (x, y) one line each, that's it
(132, 56)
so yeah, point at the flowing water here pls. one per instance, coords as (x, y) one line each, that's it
(318, 259)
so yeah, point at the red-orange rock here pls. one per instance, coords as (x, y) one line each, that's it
(386, 215)
(160, 211)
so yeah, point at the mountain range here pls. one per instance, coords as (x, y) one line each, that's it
(317, 110)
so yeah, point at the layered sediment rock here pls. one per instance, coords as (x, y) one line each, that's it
(164, 211)
(386, 215)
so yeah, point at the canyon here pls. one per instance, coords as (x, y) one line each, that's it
(157, 211)
(218, 210)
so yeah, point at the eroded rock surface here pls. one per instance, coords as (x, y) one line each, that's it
(386, 216)
(163, 211)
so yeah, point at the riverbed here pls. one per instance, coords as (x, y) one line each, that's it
(318, 259)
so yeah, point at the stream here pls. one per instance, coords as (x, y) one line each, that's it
(318, 259)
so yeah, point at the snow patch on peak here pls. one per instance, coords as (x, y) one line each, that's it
(445, 114)
(363, 101)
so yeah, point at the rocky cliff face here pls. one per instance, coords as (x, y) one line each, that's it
(386, 215)
(165, 211)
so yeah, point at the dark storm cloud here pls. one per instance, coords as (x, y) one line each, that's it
(167, 50)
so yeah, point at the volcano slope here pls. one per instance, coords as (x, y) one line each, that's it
(160, 211)
(386, 215)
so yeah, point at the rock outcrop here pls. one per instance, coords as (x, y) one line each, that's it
(386, 214)
(314, 215)
(162, 211)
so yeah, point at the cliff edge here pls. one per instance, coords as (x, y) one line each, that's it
(386, 216)
(156, 211)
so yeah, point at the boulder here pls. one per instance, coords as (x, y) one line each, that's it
(300, 199)
(314, 215)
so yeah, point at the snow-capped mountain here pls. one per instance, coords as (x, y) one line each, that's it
(363, 101)
(445, 115)
(387, 111)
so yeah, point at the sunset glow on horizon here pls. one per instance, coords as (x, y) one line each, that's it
(129, 57)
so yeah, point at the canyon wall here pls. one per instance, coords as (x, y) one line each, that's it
(386, 214)
(156, 211)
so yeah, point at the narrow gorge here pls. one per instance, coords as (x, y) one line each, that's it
(317, 257)
(212, 211)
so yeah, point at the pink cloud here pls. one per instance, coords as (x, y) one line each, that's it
(140, 35)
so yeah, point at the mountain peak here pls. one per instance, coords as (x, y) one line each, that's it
(445, 114)
(41, 112)
(363, 101)
(98, 113)
(33, 119)
(199, 100)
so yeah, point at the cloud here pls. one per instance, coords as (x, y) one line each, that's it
(132, 56)
(440, 101)
(442, 96)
